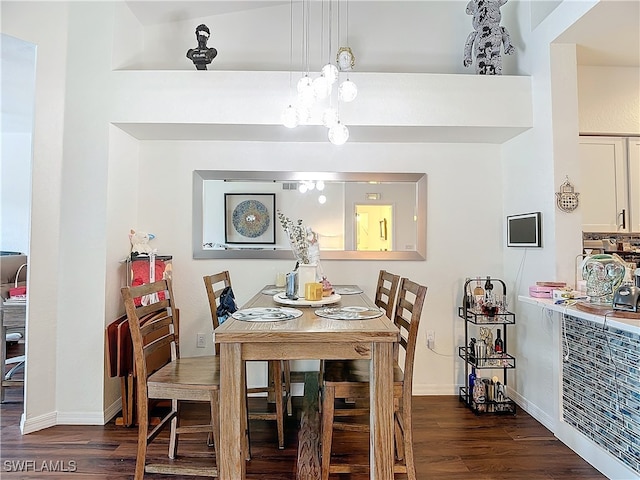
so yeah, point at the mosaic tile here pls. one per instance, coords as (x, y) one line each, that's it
(601, 387)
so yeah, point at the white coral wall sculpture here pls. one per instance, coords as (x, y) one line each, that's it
(487, 38)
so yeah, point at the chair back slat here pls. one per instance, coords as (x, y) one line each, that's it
(153, 327)
(386, 291)
(155, 307)
(406, 317)
(157, 324)
(215, 284)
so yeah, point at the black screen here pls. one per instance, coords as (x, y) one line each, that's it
(524, 230)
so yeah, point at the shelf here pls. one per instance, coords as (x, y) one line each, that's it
(504, 361)
(507, 406)
(478, 318)
(494, 384)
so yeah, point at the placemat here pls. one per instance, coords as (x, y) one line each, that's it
(266, 314)
(348, 313)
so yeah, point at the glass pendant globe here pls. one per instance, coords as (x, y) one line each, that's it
(302, 188)
(329, 117)
(347, 91)
(307, 96)
(290, 117)
(303, 83)
(304, 113)
(321, 87)
(330, 72)
(338, 134)
(320, 185)
(322, 199)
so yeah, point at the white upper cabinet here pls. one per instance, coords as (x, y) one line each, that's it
(605, 184)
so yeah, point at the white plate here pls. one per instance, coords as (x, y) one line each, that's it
(266, 314)
(348, 313)
(272, 291)
(301, 302)
(348, 290)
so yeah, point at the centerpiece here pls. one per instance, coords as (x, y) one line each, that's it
(306, 249)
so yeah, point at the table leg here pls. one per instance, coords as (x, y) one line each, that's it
(381, 421)
(230, 457)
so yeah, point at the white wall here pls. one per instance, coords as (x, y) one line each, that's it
(462, 240)
(15, 190)
(534, 166)
(609, 100)
(433, 33)
(18, 66)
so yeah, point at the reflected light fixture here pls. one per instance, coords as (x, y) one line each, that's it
(322, 199)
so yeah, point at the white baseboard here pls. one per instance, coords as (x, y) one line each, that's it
(80, 418)
(37, 423)
(431, 389)
(545, 419)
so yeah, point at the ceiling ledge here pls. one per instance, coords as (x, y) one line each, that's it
(390, 107)
(316, 133)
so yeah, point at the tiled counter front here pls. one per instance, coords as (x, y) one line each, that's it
(601, 386)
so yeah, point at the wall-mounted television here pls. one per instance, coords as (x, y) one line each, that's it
(524, 230)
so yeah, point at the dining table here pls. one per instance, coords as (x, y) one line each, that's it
(312, 330)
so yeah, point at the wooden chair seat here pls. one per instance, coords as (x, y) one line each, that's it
(349, 380)
(189, 378)
(161, 374)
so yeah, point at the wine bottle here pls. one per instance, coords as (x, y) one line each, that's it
(471, 352)
(467, 293)
(499, 344)
(478, 293)
(488, 291)
(472, 381)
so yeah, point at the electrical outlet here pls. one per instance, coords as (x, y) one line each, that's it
(201, 340)
(431, 339)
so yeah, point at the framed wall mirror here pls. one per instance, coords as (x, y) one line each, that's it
(357, 215)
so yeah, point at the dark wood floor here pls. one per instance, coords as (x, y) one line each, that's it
(451, 443)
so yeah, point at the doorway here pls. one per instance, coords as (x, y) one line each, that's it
(374, 228)
(18, 65)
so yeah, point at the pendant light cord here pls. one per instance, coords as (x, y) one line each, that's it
(290, 47)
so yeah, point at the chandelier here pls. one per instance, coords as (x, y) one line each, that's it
(317, 92)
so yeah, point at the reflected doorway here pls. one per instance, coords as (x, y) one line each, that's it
(374, 228)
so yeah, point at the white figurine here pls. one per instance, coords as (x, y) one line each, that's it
(488, 36)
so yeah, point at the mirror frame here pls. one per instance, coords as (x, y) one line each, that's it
(200, 176)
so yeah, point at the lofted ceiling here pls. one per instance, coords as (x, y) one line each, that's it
(607, 35)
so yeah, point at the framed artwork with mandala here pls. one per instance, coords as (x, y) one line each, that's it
(249, 218)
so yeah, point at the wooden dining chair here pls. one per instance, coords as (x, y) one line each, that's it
(279, 375)
(386, 291)
(161, 374)
(349, 379)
